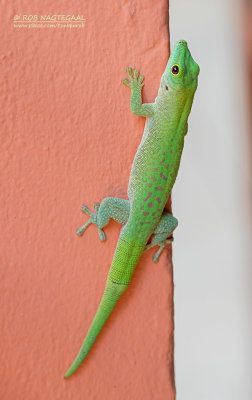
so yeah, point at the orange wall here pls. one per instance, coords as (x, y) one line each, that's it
(69, 138)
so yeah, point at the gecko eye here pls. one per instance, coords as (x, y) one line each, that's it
(175, 70)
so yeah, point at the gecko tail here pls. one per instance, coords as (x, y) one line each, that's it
(111, 295)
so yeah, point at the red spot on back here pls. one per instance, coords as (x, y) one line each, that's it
(149, 195)
(163, 177)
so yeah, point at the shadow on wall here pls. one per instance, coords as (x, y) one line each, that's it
(247, 25)
(212, 199)
(248, 48)
(247, 34)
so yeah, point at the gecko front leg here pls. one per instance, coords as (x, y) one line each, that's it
(136, 84)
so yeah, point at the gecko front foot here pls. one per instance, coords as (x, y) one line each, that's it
(136, 80)
(92, 220)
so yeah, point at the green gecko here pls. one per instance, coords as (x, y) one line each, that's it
(153, 173)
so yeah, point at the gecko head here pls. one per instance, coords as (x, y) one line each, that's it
(181, 73)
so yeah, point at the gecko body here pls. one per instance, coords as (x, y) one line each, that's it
(152, 177)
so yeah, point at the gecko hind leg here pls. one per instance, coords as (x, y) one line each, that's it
(161, 234)
(117, 209)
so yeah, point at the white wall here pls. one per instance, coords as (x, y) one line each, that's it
(211, 252)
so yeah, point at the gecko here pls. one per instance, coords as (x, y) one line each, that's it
(145, 222)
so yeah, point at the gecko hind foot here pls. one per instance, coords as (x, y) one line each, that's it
(156, 256)
(92, 220)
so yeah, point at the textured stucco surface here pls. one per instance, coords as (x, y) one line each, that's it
(68, 138)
